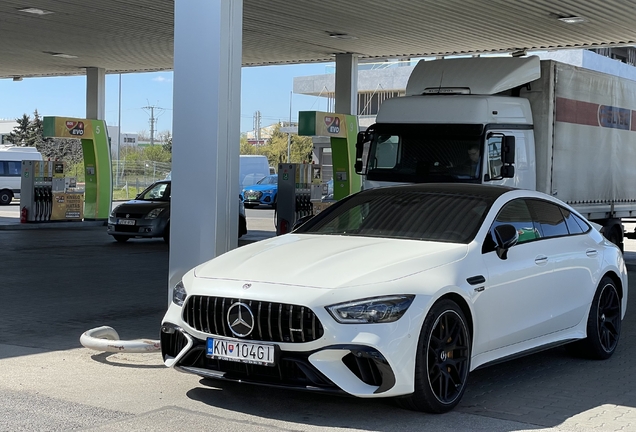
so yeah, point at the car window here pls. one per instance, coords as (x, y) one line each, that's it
(517, 214)
(158, 192)
(548, 218)
(269, 180)
(574, 223)
(405, 214)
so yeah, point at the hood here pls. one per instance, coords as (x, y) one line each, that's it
(325, 261)
(139, 206)
(261, 187)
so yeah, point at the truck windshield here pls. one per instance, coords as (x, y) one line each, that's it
(425, 153)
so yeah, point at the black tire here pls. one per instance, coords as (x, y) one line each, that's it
(274, 202)
(443, 361)
(166, 234)
(603, 324)
(614, 236)
(121, 239)
(5, 197)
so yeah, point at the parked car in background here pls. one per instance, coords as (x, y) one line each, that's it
(148, 215)
(401, 292)
(265, 191)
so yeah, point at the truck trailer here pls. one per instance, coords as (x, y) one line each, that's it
(527, 123)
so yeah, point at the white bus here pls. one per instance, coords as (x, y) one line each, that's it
(11, 158)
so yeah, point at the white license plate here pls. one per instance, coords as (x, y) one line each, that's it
(126, 222)
(239, 351)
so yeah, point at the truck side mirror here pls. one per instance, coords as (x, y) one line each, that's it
(508, 150)
(363, 144)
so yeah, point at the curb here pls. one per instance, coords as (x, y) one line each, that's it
(52, 225)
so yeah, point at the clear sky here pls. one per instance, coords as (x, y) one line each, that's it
(266, 89)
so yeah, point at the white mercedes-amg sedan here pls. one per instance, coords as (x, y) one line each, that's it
(401, 292)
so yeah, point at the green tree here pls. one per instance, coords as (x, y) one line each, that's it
(20, 134)
(156, 154)
(276, 148)
(245, 147)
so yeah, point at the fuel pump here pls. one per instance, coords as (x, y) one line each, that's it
(294, 195)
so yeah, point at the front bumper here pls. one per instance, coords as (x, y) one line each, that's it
(258, 197)
(368, 360)
(145, 228)
(293, 370)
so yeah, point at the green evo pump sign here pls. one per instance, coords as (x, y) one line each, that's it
(94, 137)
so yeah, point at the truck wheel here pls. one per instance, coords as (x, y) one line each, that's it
(5, 197)
(614, 236)
(442, 362)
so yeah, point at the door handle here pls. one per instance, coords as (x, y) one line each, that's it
(591, 253)
(541, 260)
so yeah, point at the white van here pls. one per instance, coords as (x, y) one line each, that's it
(10, 169)
(252, 168)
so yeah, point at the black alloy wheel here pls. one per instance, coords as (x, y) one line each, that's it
(443, 360)
(603, 324)
(608, 318)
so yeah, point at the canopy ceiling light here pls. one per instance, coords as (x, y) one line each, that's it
(572, 19)
(343, 36)
(35, 11)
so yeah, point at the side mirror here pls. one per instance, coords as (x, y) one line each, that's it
(507, 171)
(508, 150)
(301, 221)
(363, 144)
(506, 236)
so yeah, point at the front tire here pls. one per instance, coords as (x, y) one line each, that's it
(443, 360)
(603, 324)
(5, 197)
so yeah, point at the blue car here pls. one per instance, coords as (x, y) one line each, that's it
(264, 191)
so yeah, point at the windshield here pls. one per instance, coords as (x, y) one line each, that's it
(156, 192)
(269, 180)
(425, 153)
(405, 214)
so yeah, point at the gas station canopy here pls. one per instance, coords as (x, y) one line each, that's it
(51, 38)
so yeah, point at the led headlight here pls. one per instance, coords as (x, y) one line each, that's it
(154, 213)
(179, 294)
(269, 191)
(371, 310)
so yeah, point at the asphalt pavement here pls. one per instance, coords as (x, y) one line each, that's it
(58, 283)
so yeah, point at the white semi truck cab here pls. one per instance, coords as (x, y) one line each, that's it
(518, 122)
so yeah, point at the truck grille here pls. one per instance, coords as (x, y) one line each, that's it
(273, 322)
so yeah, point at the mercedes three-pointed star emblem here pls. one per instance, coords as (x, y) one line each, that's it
(240, 319)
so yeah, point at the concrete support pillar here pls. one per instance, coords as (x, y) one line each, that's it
(206, 132)
(346, 100)
(95, 93)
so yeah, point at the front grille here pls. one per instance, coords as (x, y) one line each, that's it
(253, 195)
(130, 215)
(273, 322)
